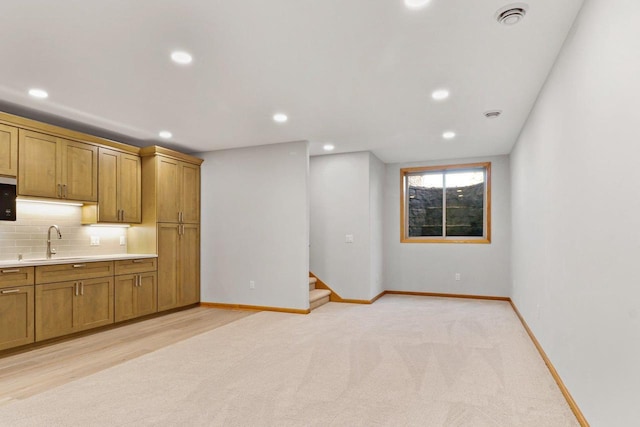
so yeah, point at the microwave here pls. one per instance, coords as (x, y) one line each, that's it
(7, 199)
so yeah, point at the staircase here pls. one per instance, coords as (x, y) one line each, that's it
(317, 297)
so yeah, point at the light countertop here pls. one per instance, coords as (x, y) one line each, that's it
(68, 260)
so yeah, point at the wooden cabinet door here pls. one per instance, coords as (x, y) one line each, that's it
(168, 270)
(56, 310)
(79, 168)
(125, 295)
(168, 189)
(119, 187)
(129, 188)
(189, 264)
(95, 303)
(16, 316)
(135, 295)
(108, 185)
(8, 150)
(147, 294)
(190, 194)
(38, 166)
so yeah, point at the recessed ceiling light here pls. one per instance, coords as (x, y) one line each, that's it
(181, 57)
(328, 147)
(440, 94)
(511, 14)
(449, 135)
(280, 118)
(165, 134)
(38, 93)
(416, 4)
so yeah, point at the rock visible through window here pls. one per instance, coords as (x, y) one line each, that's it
(446, 203)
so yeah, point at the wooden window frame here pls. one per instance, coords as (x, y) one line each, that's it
(404, 238)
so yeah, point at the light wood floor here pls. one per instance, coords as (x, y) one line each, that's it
(26, 374)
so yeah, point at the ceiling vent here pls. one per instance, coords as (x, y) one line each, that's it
(511, 14)
(492, 114)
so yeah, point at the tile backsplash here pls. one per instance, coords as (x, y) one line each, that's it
(27, 236)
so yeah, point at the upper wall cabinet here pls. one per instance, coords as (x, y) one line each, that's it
(8, 151)
(180, 184)
(119, 189)
(57, 168)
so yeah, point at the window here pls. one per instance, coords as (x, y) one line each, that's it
(446, 204)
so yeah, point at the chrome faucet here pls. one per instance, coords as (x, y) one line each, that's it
(49, 250)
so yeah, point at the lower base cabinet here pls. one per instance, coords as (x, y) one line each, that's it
(178, 265)
(67, 307)
(136, 295)
(16, 316)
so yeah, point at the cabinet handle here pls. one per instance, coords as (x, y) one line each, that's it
(139, 281)
(64, 191)
(10, 291)
(136, 261)
(82, 288)
(17, 270)
(122, 217)
(59, 191)
(79, 265)
(75, 288)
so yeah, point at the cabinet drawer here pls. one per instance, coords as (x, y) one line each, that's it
(18, 276)
(73, 271)
(130, 266)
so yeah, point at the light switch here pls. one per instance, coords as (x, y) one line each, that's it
(95, 240)
(348, 238)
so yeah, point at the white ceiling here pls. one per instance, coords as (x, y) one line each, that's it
(356, 73)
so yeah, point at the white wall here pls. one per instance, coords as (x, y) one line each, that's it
(344, 199)
(575, 214)
(431, 267)
(376, 224)
(255, 226)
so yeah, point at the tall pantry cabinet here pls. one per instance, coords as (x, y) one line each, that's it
(171, 223)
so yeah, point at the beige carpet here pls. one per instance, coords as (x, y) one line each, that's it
(403, 361)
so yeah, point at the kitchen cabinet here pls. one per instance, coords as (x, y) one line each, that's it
(171, 224)
(16, 316)
(8, 150)
(57, 168)
(16, 307)
(67, 307)
(180, 181)
(178, 265)
(119, 189)
(73, 271)
(136, 293)
(72, 297)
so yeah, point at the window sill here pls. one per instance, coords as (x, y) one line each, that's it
(481, 240)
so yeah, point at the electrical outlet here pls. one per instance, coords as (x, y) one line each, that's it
(95, 240)
(252, 284)
(457, 277)
(348, 238)
(123, 241)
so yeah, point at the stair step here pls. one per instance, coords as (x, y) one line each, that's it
(312, 283)
(318, 297)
